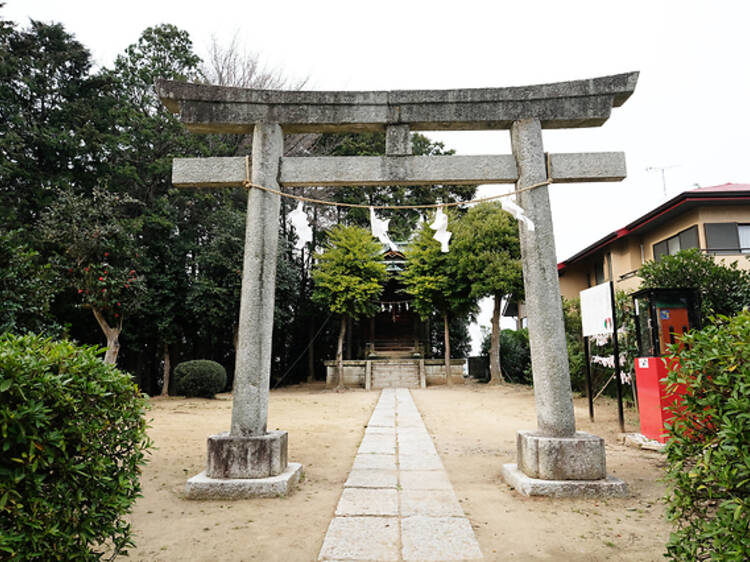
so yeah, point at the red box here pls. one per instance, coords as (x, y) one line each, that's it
(653, 400)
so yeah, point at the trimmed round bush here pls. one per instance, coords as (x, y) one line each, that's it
(73, 441)
(200, 377)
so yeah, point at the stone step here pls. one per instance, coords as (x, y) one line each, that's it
(395, 375)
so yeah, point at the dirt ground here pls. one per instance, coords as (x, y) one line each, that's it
(474, 429)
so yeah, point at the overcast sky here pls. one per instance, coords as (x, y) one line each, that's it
(689, 113)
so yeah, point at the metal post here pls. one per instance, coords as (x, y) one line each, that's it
(620, 414)
(589, 389)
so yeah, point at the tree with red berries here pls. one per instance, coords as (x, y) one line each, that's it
(96, 250)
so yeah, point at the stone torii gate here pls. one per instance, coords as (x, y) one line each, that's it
(249, 460)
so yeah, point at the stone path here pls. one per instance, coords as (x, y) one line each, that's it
(398, 503)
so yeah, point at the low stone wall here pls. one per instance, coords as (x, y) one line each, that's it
(435, 371)
(354, 371)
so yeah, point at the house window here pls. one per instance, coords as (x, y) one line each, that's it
(686, 239)
(599, 271)
(723, 238)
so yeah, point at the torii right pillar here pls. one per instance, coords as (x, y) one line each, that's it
(555, 460)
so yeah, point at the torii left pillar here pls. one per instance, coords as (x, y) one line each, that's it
(250, 461)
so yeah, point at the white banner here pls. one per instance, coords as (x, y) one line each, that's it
(596, 310)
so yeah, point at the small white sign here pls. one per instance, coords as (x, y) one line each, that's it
(643, 362)
(596, 310)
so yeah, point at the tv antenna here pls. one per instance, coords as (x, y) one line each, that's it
(663, 175)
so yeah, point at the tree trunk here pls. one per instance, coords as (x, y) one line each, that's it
(496, 372)
(310, 353)
(112, 335)
(340, 356)
(167, 369)
(446, 335)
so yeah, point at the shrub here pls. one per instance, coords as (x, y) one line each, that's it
(73, 441)
(199, 378)
(515, 356)
(709, 449)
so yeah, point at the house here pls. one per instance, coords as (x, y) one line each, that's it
(715, 219)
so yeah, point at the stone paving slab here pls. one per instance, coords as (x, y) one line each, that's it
(432, 503)
(367, 501)
(398, 503)
(424, 480)
(379, 444)
(362, 538)
(376, 430)
(438, 538)
(372, 478)
(419, 462)
(373, 460)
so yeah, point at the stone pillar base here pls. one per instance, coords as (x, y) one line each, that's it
(256, 456)
(579, 457)
(608, 487)
(562, 467)
(201, 487)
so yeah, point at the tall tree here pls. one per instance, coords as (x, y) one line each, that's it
(433, 278)
(489, 257)
(54, 128)
(349, 277)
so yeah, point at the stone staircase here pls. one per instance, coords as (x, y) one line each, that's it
(395, 373)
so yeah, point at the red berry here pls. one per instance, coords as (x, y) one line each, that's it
(101, 278)
(80, 291)
(106, 254)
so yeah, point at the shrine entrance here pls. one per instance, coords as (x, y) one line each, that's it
(553, 460)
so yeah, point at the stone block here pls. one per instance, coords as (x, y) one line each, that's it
(419, 462)
(201, 487)
(361, 538)
(579, 457)
(374, 461)
(432, 503)
(602, 488)
(424, 480)
(438, 538)
(256, 456)
(372, 478)
(366, 501)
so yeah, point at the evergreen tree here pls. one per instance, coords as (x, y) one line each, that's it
(433, 278)
(348, 278)
(489, 256)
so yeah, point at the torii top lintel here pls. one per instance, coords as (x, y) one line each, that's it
(221, 109)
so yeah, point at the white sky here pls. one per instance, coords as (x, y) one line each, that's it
(689, 111)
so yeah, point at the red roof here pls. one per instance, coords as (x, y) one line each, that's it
(715, 194)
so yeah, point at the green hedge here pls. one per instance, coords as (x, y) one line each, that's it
(709, 449)
(199, 378)
(73, 441)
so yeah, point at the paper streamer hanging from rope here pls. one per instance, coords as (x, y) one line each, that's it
(380, 230)
(299, 221)
(517, 212)
(440, 226)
